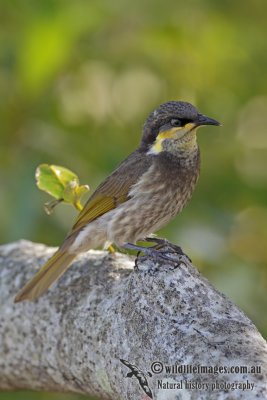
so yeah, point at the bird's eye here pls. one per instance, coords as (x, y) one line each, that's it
(176, 122)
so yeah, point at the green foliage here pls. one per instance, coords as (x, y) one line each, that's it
(23, 395)
(77, 80)
(60, 183)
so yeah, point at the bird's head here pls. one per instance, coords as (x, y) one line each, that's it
(173, 126)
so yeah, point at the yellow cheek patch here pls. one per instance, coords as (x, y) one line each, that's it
(185, 138)
(157, 146)
(168, 134)
(190, 126)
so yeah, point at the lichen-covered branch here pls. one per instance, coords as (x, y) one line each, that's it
(102, 311)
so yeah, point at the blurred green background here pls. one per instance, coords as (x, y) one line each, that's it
(77, 80)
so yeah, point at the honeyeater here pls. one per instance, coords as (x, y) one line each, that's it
(147, 190)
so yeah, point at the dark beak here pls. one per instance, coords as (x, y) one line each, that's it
(203, 120)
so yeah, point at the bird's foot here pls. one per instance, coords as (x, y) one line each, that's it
(165, 243)
(157, 252)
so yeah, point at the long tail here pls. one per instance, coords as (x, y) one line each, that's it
(44, 278)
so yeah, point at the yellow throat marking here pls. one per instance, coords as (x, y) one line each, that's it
(185, 139)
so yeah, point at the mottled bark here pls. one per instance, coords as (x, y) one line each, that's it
(101, 311)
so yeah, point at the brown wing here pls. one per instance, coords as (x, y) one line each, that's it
(113, 190)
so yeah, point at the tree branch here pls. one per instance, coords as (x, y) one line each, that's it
(101, 311)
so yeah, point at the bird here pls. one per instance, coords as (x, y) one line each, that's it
(144, 193)
(140, 376)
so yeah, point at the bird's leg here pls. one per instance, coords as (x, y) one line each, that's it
(164, 242)
(153, 252)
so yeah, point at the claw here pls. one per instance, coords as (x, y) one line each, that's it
(164, 242)
(136, 266)
(155, 253)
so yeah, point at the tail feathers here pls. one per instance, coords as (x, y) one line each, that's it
(44, 278)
